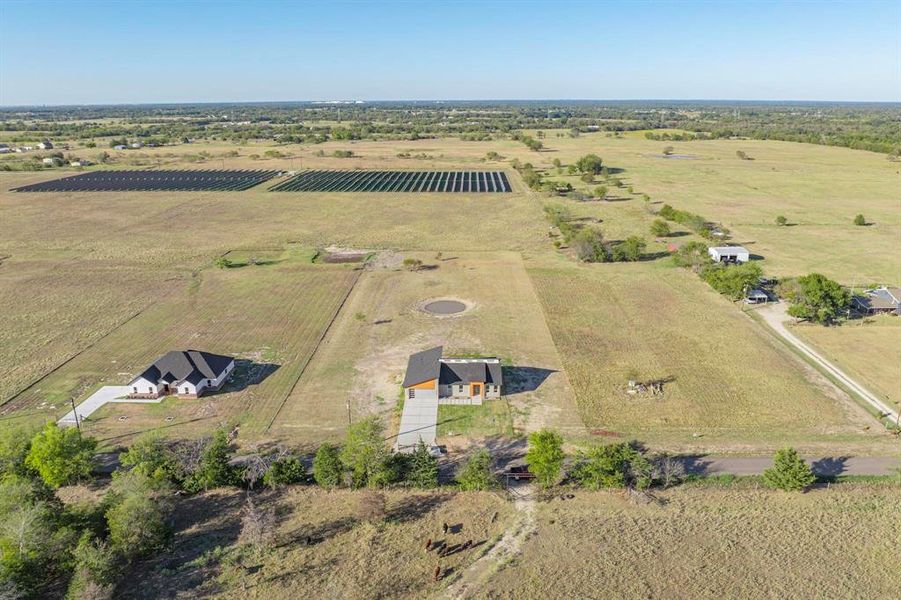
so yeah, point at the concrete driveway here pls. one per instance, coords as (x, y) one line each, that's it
(419, 421)
(105, 395)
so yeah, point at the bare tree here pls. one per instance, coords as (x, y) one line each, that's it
(669, 470)
(257, 526)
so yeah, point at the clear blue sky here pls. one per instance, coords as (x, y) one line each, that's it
(70, 52)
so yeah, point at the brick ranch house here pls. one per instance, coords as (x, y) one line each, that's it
(182, 373)
(431, 376)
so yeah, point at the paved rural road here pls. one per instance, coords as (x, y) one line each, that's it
(775, 316)
(755, 465)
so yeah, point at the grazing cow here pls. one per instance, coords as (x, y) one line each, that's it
(428, 545)
(437, 572)
(444, 528)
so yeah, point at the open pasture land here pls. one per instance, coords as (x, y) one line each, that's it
(867, 349)
(363, 358)
(157, 181)
(819, 189)
(396, 181)
(271, 317)
(348, 558)
(727, 384)
(707, 543)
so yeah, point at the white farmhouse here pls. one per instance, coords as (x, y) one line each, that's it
(182, 373)
(729, 254)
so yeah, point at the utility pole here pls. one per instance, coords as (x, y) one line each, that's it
(75, 414)
(348, 411)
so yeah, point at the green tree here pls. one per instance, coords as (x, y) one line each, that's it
(61, 455)
(475, 474)
(365, 454)
(600, 192)
(588, 245)
(214, 469)
(223, 263)
(660, 228)
(545, 456)
(781, 221)
(860, 220)
(614, 465)
(590, 163)
(733, 281)
(15, 443)
(789, 472)
(285, 471)
(422, 469)
(328, 471)
(96, 567)
(137, 515)
(819, 299)
(587, 177)
(630, 249)
(149, 455)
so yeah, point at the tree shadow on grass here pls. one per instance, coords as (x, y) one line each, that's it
(414, 507)
(201, 523)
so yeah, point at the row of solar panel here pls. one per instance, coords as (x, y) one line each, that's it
(108, 181)
(397, 181)
(307, 181)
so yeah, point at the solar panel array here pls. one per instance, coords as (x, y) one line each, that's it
(129, 181)
(396, 181)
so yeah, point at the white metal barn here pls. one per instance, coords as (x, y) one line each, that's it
(729, 254)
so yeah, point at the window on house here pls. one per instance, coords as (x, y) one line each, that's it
(460, 389)
(135, 389)
(186, 391)
(150, 390)
(411, 393)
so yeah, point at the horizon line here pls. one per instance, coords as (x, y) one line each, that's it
(438, 100)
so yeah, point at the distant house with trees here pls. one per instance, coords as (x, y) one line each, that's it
(729, 254)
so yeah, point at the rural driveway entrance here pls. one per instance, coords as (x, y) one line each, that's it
(775, 316)
(106, 394)
(419, 421)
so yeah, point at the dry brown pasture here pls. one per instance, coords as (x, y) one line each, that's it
(363, 358)
(729, 385)
(867, 349)
(701, 542)
(270, 316)
(347, 559)
(80, 265)
(710, 543)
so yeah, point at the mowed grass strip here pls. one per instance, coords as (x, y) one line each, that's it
(725, 379)
(270, 317)
(712, 543)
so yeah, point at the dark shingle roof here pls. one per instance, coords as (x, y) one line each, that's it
(180, 365)
(423, 366)
(467, 372)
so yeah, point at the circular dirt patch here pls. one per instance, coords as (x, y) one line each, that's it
(444, 307)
